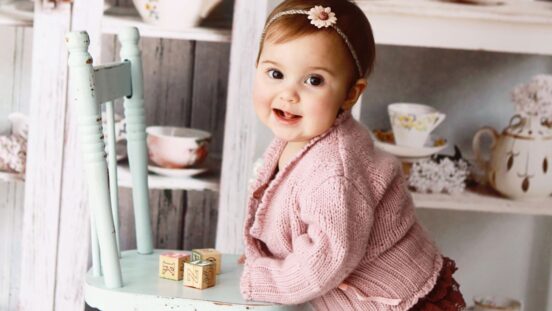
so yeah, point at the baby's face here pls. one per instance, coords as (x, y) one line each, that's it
(301, 84)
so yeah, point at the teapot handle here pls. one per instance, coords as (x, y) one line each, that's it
(207, 7)
(476, 144)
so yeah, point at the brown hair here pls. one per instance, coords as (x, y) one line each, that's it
(350, 19)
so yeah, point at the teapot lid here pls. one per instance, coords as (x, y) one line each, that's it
(531, 127)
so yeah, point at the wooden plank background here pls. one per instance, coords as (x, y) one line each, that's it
(185, 84)
(242, 128)
(15, 61)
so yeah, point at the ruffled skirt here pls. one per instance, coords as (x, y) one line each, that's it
(445, 295)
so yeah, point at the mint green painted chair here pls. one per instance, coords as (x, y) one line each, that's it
(129, 281)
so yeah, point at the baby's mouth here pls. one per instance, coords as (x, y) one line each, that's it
(285, 115)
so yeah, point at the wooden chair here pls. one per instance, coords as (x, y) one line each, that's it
(129, 280)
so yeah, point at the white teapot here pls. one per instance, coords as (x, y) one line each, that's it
(520, 165)
(174, 14)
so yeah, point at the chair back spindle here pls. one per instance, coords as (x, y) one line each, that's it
(136, 140)
(90, 87)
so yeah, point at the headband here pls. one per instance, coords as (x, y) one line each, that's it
(320, 17)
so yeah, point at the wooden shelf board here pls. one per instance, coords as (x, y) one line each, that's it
(10, 177)
(207, 181)
(116, 18)
(515, 27)
(16, 14)
(482, 200)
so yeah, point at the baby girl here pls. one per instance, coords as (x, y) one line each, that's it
(330, 220)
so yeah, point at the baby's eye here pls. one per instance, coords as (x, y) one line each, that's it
(314, 80)
(275, 74)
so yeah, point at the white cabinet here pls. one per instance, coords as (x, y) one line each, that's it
(517, 26)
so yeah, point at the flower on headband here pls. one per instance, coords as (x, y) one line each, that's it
(322, 17)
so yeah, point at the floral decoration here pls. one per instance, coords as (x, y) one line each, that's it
(535, 97)
(13, 153)
(322, 17)
(446, 175)
(410, 121)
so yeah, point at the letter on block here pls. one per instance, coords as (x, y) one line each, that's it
(171, 265)
(200, 274)
(210, 254)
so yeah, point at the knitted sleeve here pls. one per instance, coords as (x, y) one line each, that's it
(338, 218)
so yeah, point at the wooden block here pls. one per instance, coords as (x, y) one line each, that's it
(210, 254)
(171, 265)
(200, 274)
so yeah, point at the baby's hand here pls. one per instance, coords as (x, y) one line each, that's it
(241, 260)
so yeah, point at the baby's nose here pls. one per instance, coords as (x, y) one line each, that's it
(289, 96)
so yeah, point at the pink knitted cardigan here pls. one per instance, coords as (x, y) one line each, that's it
(336, 227)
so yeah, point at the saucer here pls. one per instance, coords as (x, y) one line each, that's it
(432, 147)
(177, 172)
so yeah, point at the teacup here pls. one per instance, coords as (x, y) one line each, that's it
(177, 147)
(412, 123)
(496, 304)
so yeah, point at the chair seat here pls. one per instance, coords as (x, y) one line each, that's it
(143, 289)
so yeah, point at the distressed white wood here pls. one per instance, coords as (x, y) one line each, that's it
(516, 27)
(74, 229)
(55, 231)
(11, 218)
(146, 291)
(240, 129)
(118, 18)
(15, 59)
(207, 181)
(16, 14)
(43, 193)
(15, 69)
(112, 81)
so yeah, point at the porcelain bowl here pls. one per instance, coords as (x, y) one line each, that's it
(177, 147)
(174, 14)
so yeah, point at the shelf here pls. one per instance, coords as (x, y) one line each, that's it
(10, 177)
(116, 18)
(207, 181)
(16, 14)
(482, 200)
(515, 27)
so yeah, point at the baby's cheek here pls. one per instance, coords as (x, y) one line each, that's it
(261, 102)
(261, 97)
(324, 114)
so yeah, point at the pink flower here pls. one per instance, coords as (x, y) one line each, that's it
(322, 17)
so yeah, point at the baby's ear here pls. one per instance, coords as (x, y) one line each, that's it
(354, 92)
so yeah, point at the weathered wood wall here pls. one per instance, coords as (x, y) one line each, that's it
(185, 84)
(243, 130)
(15, 61)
